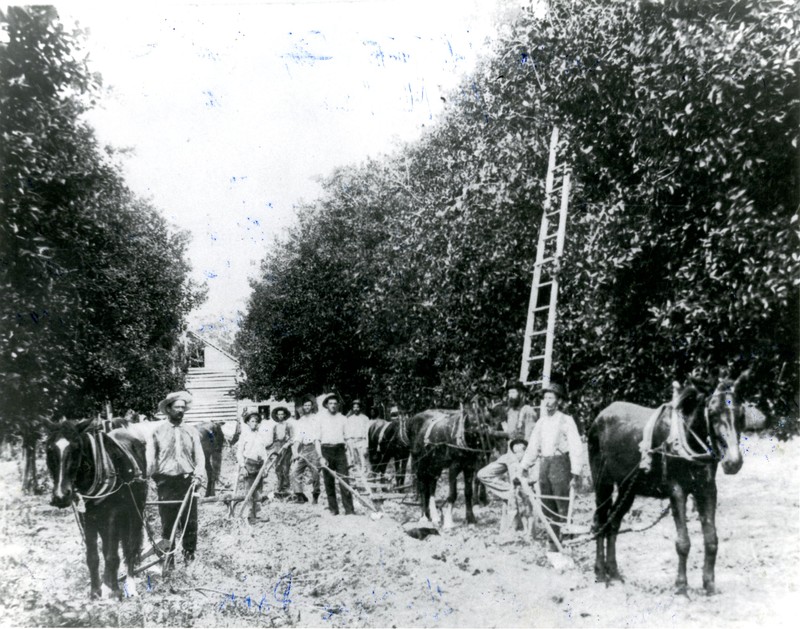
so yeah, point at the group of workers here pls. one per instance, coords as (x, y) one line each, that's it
(328, 442)
(314, 442)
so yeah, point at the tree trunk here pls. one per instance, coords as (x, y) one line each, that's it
(29, 482)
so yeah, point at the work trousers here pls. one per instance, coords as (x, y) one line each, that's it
(554, 479)
(336, 456)
(282, 467)
(249, 473)
(175, 488)
(495, 477)
(357, 454)
(300, 466)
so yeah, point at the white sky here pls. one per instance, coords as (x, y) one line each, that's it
(233, 110)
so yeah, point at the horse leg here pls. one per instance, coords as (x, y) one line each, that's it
(677, 501)
(620, 508)
(401, 465)
(111, 540)
(604, 494)
(447, 509)
(707, 507)
(469, 479)
(434, 512)
(92, 556)
(132, 542)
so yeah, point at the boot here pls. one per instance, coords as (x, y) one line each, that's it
(315, 497)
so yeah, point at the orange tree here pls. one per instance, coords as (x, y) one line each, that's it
(94, 283)
(681, 122)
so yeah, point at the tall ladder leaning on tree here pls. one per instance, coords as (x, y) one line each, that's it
(537, 350)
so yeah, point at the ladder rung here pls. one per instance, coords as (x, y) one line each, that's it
(549, 236)
(543, 284)
(553, 212)
(540, 308)
(538, 332)
(545, 261)
(532, 358)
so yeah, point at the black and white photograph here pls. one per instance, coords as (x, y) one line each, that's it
(400, 313)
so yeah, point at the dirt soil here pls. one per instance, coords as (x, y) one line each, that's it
(304, 567)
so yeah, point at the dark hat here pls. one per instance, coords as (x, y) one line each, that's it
(250, 414)
(308, 398)
(517, 385)
(514, 442)
(330, 396)
(557, 388)
(275, 410)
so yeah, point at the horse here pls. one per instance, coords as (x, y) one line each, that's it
(387, 443)
(107, 471)
(452, 439)
(685, 462)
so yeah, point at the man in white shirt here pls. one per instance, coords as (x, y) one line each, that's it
(356, 437)
(334, 455)
(556, 443)
(306, 453)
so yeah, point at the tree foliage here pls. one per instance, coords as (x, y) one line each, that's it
(410, 277)
(94, 281)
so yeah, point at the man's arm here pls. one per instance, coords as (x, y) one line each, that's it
(532, 451)
(575, 447)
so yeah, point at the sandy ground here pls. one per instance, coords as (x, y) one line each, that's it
(304, 567)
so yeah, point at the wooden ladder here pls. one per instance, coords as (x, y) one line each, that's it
(537, 350)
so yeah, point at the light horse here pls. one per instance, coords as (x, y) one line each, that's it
(705, 433)
(106, 471)
(454, 439)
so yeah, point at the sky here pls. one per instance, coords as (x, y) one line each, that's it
(234, 111)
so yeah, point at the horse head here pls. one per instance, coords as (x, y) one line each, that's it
(721, 419)
(726, 420)
(64, 450)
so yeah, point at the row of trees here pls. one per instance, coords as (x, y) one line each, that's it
(409, 278)
(94, 282)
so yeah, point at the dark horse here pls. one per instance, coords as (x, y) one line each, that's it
(387, 443)
(452, 439)
(707, 434)
(106, 470)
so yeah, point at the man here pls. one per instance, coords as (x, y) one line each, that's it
(306, 453)
(520, 417)
(278, 435)
(334, 454)
(251, 452)
(175, 461)
(555, 442)
(501, 476)
(356, 437)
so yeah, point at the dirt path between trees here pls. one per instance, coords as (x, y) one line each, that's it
(305, 567)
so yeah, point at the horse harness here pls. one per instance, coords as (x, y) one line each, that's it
(105, 481)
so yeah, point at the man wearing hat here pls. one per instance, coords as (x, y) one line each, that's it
(356, 437)
(251, 452)
(175, 461)
(502, 475)
(555, 442)
(520, 417)
(334, 454)
(306, 453)
(278, 435)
